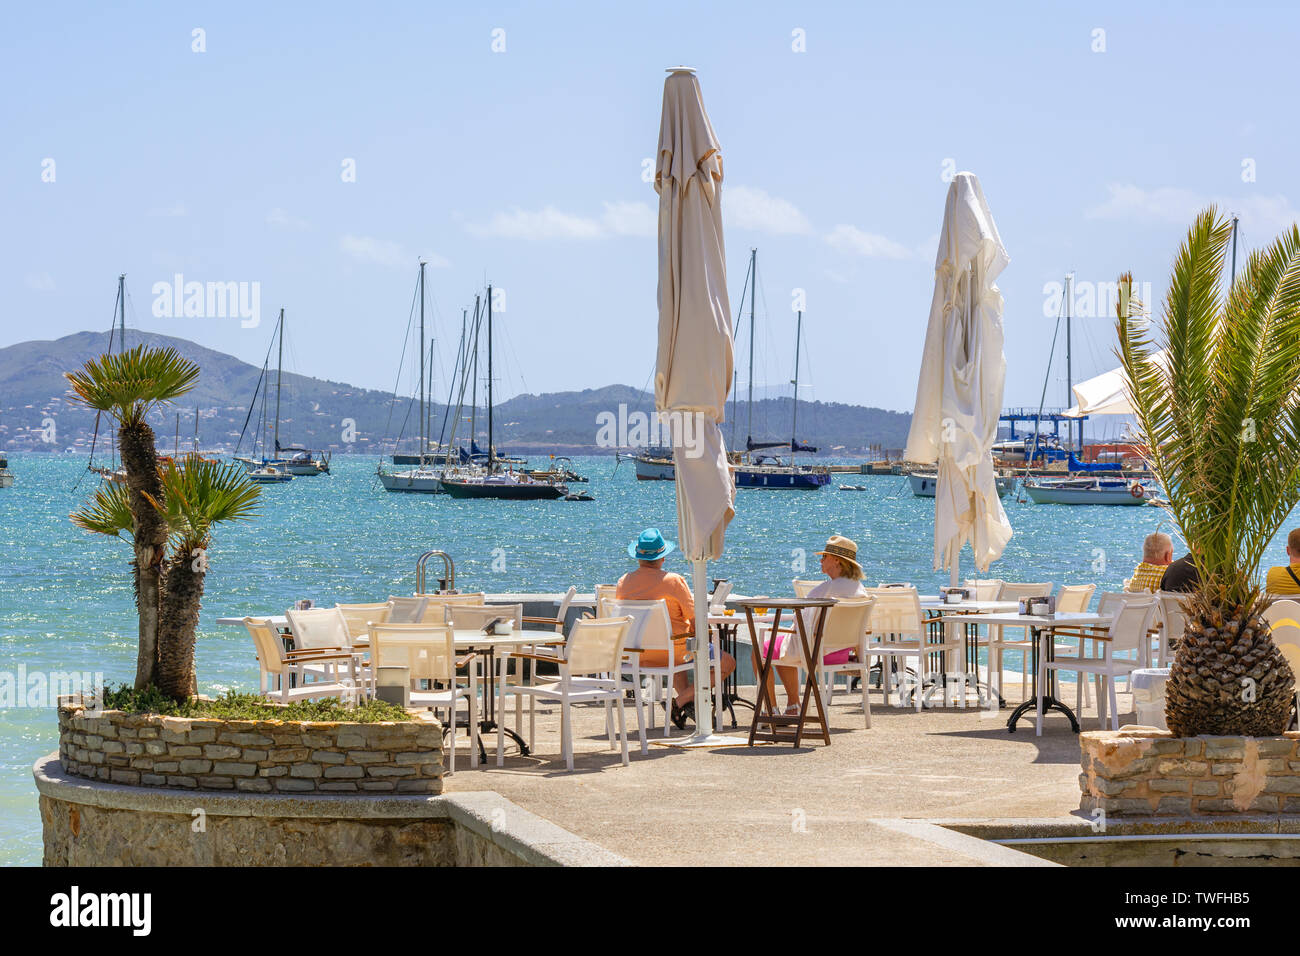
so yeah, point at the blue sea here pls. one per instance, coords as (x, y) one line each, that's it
(66, 602)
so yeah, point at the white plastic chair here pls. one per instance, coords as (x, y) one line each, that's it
(435, 605)
(1128, 631)
(1074, 599)
(593, 655)
(845, 629)
(407, 610)
(557, 622)
(718, 599)
(1284, 623)
(984, 589)
(474, 617)
(604, 592)
(897, 614)
(429, 651)
(650, 628)
(802, 588)
(358, 618)
(998, 642)
(324, 630)
(278, 668)
(1172, 624)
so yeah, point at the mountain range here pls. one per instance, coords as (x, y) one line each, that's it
(36, 412)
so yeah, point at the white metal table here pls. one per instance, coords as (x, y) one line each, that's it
(1042, 627)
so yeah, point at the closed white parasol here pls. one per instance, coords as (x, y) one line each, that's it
(959, 391)
(694, 361)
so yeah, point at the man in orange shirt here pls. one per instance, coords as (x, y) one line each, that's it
(650, 582)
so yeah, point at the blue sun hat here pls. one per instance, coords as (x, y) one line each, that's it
(650, 546)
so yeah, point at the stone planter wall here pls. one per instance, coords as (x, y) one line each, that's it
(253, 756)
(89, 823)
(1146, 772)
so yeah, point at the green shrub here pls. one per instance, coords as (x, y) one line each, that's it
(236, 706)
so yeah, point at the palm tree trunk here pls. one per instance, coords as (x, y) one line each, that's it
(146, 659)
(178, 626)
(140, 458)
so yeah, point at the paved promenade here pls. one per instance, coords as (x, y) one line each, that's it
(771, 804)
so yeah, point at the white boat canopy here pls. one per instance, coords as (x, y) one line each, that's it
(1107, 393)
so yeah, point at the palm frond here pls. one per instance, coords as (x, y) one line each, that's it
(107, 512)
(1223, 421)
(199, 494)
(127, 385)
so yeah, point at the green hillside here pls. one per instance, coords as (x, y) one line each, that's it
(316, 413)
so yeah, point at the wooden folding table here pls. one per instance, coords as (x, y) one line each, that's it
(811, 654)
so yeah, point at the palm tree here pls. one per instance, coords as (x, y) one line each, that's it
(1223, 426)
(199, 494)
(127, 386)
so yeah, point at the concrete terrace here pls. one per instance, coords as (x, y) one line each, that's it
(739, 806)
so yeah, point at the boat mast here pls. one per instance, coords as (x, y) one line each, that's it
(1069, 342)
(279, 376)
(1234, 254)
(753, 281)
(428, 415)
(473, 388)
(261, 431)
(794, 413)
(492, 456)
(424, 444)
(121, 347)
(121, 311)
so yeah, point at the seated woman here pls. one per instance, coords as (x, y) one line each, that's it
(650, 582)
(843, 577)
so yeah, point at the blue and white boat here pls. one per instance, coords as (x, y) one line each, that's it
(1084, 490)
(924, 483)
(765, 472)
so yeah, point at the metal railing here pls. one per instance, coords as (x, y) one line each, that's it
(446, 583)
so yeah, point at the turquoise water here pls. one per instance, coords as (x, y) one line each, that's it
(66, 602)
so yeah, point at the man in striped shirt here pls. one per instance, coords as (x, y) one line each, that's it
(1157, 555)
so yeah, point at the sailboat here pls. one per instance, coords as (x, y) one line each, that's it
(423, 478)
(113, 472)
(298, 461)
(768, 471)
(655, 463)
(1086, 483)
(262, 471)
(496, 480)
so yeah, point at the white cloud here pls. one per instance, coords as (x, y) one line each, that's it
(173, 211)
(618, 219)
(869, 245)
(749, 208)
(278, 217)
(41, 282)
(1266, 214)
(384, 252)
(631, 219)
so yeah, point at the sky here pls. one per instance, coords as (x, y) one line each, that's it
(319, 150)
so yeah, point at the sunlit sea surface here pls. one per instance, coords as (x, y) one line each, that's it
(66, 601)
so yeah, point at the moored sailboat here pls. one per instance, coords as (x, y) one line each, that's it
(423, 478)
(494, 481)
(277, 462)
(769, 471)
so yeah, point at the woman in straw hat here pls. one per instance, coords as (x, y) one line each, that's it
(843, 580)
